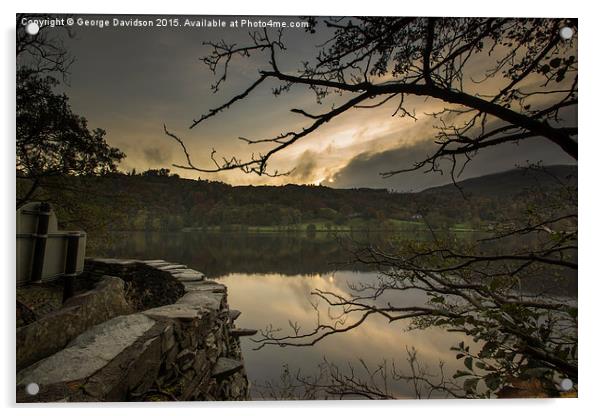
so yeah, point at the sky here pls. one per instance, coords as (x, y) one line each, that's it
(132, 81)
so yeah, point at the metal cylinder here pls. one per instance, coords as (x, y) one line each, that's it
(70, 265)
(40, 239)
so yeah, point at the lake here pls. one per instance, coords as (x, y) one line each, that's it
(270, 277)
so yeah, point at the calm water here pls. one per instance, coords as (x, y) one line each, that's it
(270, 277)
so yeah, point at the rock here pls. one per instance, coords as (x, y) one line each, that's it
(200, 362)
(242, 332)
(54, 331)
(189, 277)
(234, 314)
(154, 262)
(89, 352)
(210, 346)
(141, 375)
(168, 339)
(185, 359)
(186, 271)
(173, 267)
(170, 358)
(202, 299)
(174, 311)
(191, 387)
(131, 372)
(207, 285)
(226, 367)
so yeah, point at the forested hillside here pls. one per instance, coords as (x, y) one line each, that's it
(159, 201)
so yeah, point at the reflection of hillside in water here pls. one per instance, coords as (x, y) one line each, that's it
(219, 254)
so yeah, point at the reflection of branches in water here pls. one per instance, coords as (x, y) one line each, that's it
(383, 381)
(491, 310)
(474, 290)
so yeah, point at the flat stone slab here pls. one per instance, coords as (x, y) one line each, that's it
(89, 352)
(202, 299)
(226, 367)
(187, 270)
(207, 285)
(242, 332)
(189, 277)
(153, 261)
(172, 267)
(175, 311)
(177, 272)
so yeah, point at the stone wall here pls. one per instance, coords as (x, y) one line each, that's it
(185, 350)
(54, 331)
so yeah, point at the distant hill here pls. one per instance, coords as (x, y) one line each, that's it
(160, 201)
(512, 182)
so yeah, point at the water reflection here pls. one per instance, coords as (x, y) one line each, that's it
(219, 254)
(270, 277)
(271, 299)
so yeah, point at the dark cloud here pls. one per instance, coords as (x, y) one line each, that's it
(364, 170)
(305, 166)
(130, 81)
(157, 156)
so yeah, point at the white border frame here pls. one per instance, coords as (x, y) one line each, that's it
(590, 212)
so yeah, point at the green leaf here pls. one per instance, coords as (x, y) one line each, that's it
(468, 363)
(462, 373)
(492, 381)
(470, 384)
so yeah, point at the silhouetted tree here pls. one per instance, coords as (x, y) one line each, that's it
(370, 61)
(156, 172)
(51, 139)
